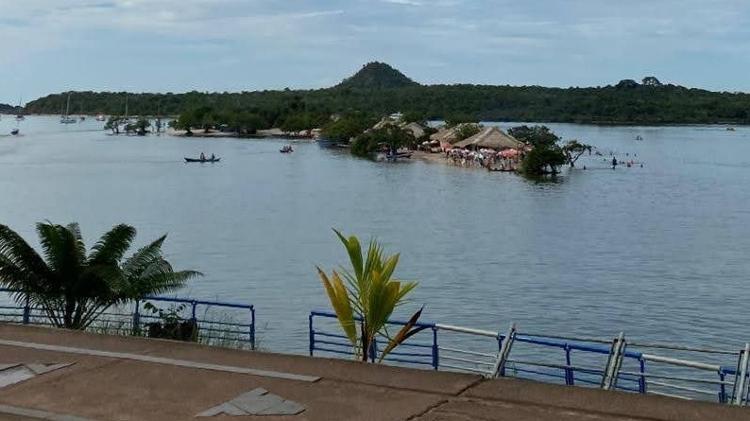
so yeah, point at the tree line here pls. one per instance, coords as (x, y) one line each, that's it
(628, 102)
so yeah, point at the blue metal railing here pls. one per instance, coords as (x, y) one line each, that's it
(217, 322)
(471, 350)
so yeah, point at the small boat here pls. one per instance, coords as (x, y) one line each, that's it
(211, 160)
(730, 129)
(14, 132)
(83, 117)
(20, 117)
(286, 149)
(397, 155)
(100, 117)
(639, 137)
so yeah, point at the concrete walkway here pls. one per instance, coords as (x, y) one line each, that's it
(123, 378)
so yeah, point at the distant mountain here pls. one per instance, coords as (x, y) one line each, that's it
(377, 75)
(10, 109)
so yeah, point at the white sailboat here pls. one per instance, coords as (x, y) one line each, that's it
(20, 115)
(66, 118)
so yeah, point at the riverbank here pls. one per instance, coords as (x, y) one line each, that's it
(57, 374)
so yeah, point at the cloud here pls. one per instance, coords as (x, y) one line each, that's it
(404, 2)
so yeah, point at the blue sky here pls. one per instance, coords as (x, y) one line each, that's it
(217, 45)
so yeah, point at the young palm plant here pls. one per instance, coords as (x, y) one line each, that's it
(368, 294)
(73, 287)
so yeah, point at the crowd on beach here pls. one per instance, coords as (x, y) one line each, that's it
(506, 160)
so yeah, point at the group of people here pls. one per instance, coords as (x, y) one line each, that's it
(486, 158)
(203, 157)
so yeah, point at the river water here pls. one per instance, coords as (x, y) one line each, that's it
(660, 252)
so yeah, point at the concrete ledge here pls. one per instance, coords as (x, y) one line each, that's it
(102, 385)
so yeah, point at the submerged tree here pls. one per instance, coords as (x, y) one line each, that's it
(74, 287)
(367, 294)
(573, 150)
(390, 137)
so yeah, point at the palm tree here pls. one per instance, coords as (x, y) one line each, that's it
(74, 287)
(368, 295)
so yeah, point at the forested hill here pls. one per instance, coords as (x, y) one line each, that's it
(9, 109)
(378, 89)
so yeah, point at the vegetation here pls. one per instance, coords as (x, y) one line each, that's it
(74, 287)
(390, 137)
(573, 150)
(547, 155)
(467, 130)
(368, 294)
(379, 90)
(10, 109)
(345, 128)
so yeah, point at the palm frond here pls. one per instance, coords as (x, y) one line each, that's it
(111, 248)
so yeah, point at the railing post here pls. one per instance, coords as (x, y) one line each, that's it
(740, 390)
(502, 356)
(435, 349)
(311, 333)
(569, 380)
(252, 327)
(642, 380)
(723, 388)
(614, 362)
(26, 311)
(192, 311)
(136, 328)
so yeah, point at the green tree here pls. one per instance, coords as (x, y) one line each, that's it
(113, 124)
(347, 127)
(543, 160)
(141, 126)
(466, 130)
(537, 136)
(74, 287)
(390, 136)
(573, 150)
(368, 294)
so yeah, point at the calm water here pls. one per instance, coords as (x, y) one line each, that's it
(660, 252)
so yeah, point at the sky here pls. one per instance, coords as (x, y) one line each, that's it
(50, 46)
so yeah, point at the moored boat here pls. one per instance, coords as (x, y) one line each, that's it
(14, 132)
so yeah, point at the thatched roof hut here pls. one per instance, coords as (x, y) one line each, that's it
(491, 138)
(415, 129)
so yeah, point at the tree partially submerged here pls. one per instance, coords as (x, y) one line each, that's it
(390, 137)
(573, 150)
(72, 286)
(367, 295)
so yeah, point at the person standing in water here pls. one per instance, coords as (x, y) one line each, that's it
(614, 163)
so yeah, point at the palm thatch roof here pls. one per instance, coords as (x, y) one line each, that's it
(491, 138)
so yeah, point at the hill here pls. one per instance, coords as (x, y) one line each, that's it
(379, 89)
(376, 75)
(9, 109)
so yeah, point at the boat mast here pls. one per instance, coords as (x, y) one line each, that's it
(126, 105)
(67, 107)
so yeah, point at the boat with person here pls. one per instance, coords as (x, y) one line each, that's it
(286, 149)
(100, 117)
(202, 160)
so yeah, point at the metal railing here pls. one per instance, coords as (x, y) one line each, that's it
(216, 322)
(614, 364)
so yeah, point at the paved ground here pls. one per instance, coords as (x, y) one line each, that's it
(120, 378)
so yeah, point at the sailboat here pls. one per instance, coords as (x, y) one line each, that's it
(20, 115)
(66, 118)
